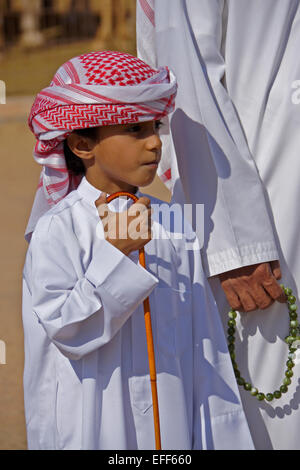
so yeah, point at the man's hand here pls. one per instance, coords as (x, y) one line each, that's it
(129, 230)
(253, 287)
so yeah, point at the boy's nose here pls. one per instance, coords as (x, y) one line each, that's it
(154, 142)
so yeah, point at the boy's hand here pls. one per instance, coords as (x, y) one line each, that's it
(129, 230)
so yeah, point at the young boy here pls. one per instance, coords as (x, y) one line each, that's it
(86, 377)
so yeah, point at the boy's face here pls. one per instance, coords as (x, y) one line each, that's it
(125, 156)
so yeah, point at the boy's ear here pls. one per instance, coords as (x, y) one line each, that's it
(80, 146)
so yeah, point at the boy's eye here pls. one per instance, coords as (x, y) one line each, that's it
(139, 127)
(134, 128)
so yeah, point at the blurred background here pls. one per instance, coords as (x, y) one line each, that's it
(36, 37)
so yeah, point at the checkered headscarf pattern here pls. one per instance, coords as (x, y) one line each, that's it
(114, 68)
(94, 89)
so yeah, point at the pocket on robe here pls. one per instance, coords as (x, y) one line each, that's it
(68, 406)
(173, 320)
(141, 392)
(58, 415)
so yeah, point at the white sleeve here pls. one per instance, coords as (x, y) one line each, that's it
(81, 314)
(215, 166)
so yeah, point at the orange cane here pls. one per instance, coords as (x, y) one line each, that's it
(149, 336)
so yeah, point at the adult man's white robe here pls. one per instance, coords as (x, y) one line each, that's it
(86, 377)
(237, 67)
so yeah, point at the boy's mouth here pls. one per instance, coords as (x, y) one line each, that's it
(153, 162)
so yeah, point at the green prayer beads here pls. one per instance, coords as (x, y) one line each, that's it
(294, 335)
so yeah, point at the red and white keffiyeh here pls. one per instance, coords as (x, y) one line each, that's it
(94, 89)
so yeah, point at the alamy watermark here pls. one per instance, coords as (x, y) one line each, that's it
(2, 92)
(168, 221)
(2, 352)
(296, 94)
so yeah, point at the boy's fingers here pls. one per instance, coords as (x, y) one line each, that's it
(143, 200)
(101, 205)
(139, 207)
(101, 199)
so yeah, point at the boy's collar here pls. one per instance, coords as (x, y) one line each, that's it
(90, 193)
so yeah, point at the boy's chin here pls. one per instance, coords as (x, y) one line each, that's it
(147, 181)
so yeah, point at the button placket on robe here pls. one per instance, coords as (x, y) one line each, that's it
(139, 382)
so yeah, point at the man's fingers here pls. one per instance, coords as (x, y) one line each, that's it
(261, 297)
(274, 290)
(270, 284)
(247, 301)
(231, 296)
(238, 298)
(275, 268)
(247, 297)
(253, 287)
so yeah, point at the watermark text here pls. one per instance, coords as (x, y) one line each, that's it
(2, 92)
(168, 221)
(296, 93)
(2, 352)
